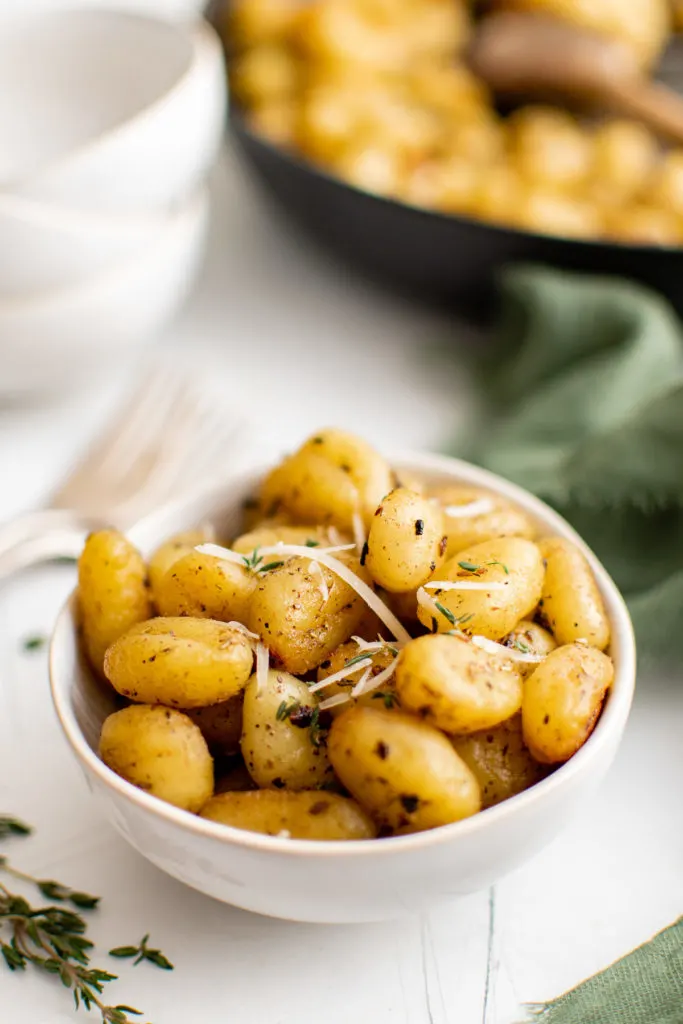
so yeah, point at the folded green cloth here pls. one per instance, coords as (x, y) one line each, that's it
(645, 987)
(584, 386)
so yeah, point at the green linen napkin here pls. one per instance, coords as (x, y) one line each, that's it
(584, 387)
(645, 987)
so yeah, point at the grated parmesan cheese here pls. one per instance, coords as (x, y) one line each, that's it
(262, 665)
(314, 569)
(333, 702)
(480, 507)
(241, 628)
(337, 677)
(493, 648)
(367, 684)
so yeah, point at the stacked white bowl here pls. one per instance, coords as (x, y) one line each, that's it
(110, 122)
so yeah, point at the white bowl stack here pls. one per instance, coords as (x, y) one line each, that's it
(110, 122)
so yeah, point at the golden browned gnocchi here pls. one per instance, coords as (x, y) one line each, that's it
(456, 686)
(182, 662)
(333, 477)
(485, 589)
(302, 612)
(500, 761)
(304, 815)
(406, 542)
(221, 725)
(205, 587)
(161, 751)
(562, 701)
(404, 772)
(348, 642)
(571, 604)
(281, 744)
(170, 552)
(473, 515)
(113, 591)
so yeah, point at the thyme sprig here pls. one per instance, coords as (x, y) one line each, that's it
(53, 938)
(253, 562)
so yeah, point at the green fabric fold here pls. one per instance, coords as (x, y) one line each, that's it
(584, 385)
(645, 987)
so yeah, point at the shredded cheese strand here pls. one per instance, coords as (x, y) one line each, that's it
(241, 628)
(493, 648)
(262, 665)
(480, 507)
(360, 685)
(314, 568)
(332, 702)
(365, 592)
(337, 677)
(464, 585)
(375, 681)
(427, 602)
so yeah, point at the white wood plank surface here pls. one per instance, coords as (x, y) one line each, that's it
(300, 343)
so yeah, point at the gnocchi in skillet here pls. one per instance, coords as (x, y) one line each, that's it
(373, 655)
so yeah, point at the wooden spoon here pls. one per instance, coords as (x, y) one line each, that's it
(534, 55)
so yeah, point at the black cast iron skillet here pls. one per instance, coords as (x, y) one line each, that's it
(443, 258)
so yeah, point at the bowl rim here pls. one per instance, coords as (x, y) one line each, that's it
(203, 46)
(611, 721)
(240, 127)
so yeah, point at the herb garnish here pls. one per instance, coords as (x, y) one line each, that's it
(285, 710)
(479, 570)
(390, 699)
(253, 562)
(304, 716)
(455, 620)
(312, 543)
(13, 827)
(53, 938)
(519, 645)
(142, 952)
(470, 566)
(363, 656)
(34, 643)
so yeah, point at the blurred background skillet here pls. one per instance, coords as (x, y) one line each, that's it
(451, 256)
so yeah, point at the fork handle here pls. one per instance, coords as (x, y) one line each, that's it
(43, 536)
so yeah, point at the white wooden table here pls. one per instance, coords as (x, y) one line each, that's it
(300, 343)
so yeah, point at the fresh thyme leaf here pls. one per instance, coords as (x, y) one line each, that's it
(519, 645)
(34, 643)
(317, 732)
(358, 658)
(469, 566)
(390, 699)
(84, 900)
(253, 560)
(502, 565)
(285, 709)
(312, 543)
(13, 827)
(142, 952)
(446, 612)
(269, 566)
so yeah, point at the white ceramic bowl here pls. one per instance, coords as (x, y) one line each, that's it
(44, 247)
(60, 337)
(107, 110)
(337, 881)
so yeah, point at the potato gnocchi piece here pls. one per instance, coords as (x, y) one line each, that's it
(205, 587)
(500, 761)
(170, 552)
(281, 745)
(473, 515)
(487, 588)
(529, 638)
(563, 699)
(161, 751)
(572, 605)
(267, 535)
(456, 686)
(113, 592)
(302, 611)
(181, 662)
(407, 541)
(304, 815)
(221, 725)
(332, 478)
(405, 773)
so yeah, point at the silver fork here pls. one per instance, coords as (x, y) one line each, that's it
(166, 439)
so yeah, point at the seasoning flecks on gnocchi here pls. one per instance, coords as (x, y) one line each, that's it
(376, 653)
